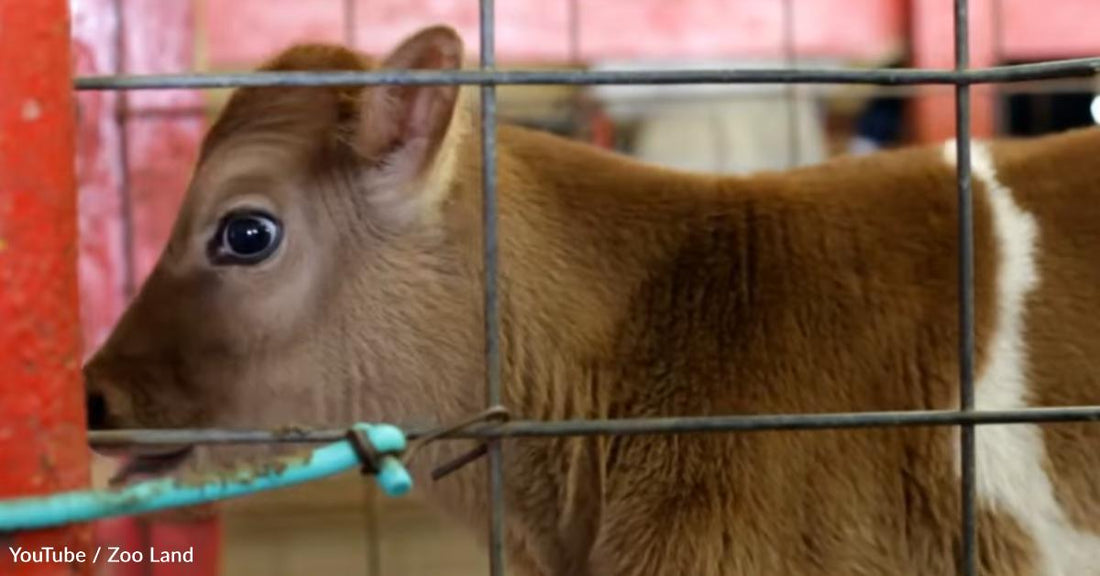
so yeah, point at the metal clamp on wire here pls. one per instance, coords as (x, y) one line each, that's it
(370, 459)
(495, 413)
(378, 448)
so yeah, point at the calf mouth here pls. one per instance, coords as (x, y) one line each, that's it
(148, 464)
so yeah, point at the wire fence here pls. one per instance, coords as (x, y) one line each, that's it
(1055, 69)
(488, 77)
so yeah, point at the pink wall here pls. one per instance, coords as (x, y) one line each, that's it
(161, 147)
(242, 32)
(160, 37)
(102, 255)
(1034, 29)
(934, 47)
(539, 31)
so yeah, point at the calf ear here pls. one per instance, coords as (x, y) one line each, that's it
(403, 129)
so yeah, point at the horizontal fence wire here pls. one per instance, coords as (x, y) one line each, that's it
(901, 76)
(623, 426)
(516, 110)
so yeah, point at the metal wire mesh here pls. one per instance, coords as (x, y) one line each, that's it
(962, 77)
(968, 561)
(492, 310)
(122, 117)
(1074, 67)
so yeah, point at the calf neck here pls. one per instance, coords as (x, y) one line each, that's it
(326, 268)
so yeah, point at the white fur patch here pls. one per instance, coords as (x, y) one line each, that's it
(1011, 460)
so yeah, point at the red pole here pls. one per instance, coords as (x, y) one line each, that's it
(43, 446)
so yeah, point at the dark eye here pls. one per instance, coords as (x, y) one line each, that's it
(245, 238)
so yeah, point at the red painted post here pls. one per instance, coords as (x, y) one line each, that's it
(43, 445)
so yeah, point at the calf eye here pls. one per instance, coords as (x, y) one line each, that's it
(245, 238)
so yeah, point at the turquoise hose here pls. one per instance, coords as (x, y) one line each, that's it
(82, 506)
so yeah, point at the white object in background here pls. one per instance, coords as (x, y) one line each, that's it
(725, 128)
(742, 135)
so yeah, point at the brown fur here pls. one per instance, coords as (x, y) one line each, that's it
(627, 291)
(1057, 181)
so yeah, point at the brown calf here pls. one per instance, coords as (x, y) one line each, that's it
(326, 268)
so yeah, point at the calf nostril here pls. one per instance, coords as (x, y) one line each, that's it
(97, 410)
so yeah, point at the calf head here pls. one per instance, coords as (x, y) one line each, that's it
(323, 266)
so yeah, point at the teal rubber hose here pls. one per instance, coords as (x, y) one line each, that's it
(82, 506)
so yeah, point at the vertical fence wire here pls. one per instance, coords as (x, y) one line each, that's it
(790, 60)
(487, 26)
(968, 557)
(122, 117)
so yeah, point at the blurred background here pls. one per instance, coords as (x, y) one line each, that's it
(136, 151)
